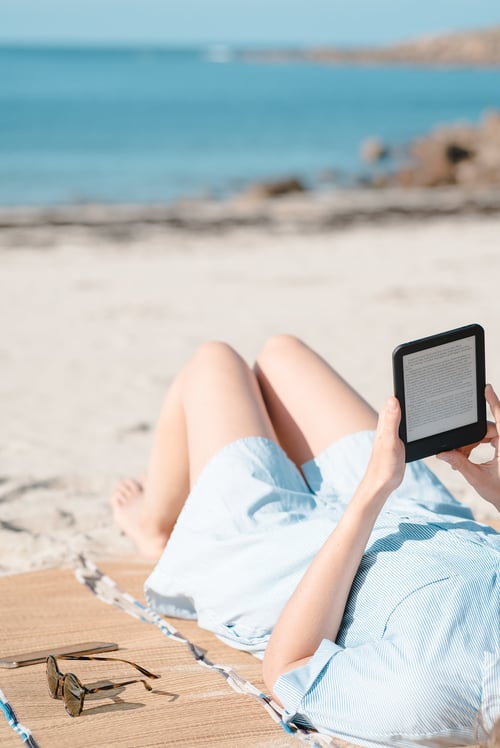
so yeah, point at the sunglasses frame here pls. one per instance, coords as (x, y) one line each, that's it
(63, 680)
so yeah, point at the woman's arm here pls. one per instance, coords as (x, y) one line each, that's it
(316, 608)
(484, 477)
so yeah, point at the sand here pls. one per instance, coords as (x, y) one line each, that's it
(95, 325)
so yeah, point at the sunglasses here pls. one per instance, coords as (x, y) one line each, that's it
(67, 686)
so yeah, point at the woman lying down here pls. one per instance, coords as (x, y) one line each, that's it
(284, 520)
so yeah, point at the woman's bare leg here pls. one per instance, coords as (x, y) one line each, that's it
(310, 405)
(147, 509)
(214, 400)
(222, 402)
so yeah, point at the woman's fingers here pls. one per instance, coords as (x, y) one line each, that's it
(491, 432)
(387, 461)
(389, 418)
(494, 403)
(490, 436)
(393, 406)
(387, 433)
(458, 461)
(393, 415)
(485, 476)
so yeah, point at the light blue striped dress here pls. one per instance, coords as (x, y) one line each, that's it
(417, 658)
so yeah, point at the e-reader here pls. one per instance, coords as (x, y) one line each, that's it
(439, 382)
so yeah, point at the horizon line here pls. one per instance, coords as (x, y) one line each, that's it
(150, 44)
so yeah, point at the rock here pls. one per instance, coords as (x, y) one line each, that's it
(488, 156)
(490, 127)
(454, 154)
(467, 173)
(432, 167)
(373, 149)
(275, 188)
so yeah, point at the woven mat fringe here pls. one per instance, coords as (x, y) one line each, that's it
(24, 733)
(108, 591)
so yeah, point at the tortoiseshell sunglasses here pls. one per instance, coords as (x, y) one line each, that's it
(67, 686)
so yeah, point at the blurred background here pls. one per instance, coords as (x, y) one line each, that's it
(161, 99)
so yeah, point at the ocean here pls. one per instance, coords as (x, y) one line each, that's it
(142, 125)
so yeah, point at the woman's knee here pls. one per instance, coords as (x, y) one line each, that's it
(279, 348)
(211, 357)
(214, 352)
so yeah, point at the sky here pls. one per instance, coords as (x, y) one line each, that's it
(264, 22)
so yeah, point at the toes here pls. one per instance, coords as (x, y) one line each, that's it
(126, 491)
(121, 498)
(120, 494)
(132, 486)
(117, 498)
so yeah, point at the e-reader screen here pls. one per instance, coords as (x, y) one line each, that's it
(440, 388)
(439, 382)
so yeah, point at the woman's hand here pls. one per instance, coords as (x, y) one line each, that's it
(386, 468)
(316, 608)
(484, 477)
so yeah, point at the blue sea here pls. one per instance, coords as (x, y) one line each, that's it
(140, 125)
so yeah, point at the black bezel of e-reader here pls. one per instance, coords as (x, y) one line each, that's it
(458, 437)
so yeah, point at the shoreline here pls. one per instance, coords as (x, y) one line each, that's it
(310, 211)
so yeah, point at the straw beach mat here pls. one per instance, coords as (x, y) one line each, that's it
(191, 705)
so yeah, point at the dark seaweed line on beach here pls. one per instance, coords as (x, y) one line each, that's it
(305, 212)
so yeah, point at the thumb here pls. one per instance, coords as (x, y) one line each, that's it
(393, 412)
(390, 417)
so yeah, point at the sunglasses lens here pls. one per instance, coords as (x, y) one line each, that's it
(52, 677)
(72, 695)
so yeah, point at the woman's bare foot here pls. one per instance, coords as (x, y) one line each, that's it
(128, 512)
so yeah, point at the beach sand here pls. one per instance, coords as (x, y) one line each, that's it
(94, 328)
